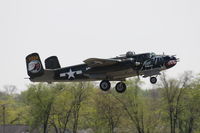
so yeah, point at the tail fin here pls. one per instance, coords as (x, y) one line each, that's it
(52, 63)
(34, 65)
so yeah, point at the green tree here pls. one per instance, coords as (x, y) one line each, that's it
(135, 103)
(173, 92)
(67, 105)
(39, 99)
(108, 111)
(189, 120)
(11, 110)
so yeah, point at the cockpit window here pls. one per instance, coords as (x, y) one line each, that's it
(167, 58)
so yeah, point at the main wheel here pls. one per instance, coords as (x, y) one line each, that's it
(105, 85)
(153, 80)
(120, 87)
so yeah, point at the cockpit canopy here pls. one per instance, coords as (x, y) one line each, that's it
(138, 57)
(152, 54)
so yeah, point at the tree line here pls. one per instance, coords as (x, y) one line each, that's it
(171, 106)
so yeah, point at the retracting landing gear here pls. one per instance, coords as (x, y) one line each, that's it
(105, 85)
(153, 80)
(120, 87)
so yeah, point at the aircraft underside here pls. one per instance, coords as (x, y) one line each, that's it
(71, 74)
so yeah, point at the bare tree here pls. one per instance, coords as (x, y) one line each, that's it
(10, 89)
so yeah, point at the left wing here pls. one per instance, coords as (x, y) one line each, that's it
(97, 62)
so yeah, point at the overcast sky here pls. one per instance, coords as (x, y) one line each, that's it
(75, 30)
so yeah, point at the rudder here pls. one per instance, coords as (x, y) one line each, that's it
(52, 63)
(34, 65)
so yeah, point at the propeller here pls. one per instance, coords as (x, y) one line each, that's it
(178, 59)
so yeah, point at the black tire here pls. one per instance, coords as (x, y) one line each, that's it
(153, 80)
(105, 85)
(120, 87)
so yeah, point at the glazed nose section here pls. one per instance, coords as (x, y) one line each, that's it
(171, 62)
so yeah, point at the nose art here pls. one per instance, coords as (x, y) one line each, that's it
(171, 63)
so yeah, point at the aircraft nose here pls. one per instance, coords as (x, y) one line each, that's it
(172, 62)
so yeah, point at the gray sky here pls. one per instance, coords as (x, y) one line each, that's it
(75, 30)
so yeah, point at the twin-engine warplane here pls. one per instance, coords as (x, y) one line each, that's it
(113, 69)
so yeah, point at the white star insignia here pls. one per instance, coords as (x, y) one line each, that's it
(70, 74)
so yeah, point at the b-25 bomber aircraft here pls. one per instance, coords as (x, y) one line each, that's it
(113, 69)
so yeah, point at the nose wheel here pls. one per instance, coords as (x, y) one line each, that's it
(153, 80)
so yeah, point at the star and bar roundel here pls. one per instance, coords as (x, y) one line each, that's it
(70, 74)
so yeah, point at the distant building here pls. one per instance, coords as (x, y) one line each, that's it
(17, 129)
(27, 129)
